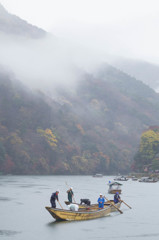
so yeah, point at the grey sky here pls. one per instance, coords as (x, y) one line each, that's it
(120, 27)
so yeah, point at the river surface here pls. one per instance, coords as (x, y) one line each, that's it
(23, 215)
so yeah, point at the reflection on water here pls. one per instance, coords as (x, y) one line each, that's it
(37, 192)
(20, 203)
(5, 199)
(23, 214)
(8, 233)
(54, 223)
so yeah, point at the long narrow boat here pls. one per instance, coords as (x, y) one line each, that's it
(62, 214)
(95, 206)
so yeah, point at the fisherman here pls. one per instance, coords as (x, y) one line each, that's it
(101, 201)
(53, 199)
(85, 201)
(116, 198)
(70, 194)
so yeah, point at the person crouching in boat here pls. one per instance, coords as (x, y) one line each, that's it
(101, 201)
(70, 194)
(116, 197)
(53, 199)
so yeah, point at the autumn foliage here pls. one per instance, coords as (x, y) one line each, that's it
(93, 128)
(148, 153)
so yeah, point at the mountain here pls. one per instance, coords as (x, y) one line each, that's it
(95, 128)
(11, 24)
(23, 115)
(112, 110)
(92, 127)
(147, 72)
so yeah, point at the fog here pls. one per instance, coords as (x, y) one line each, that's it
(88, 33)
(118, 27)
(48, 62)
(38, 63)
(131, 39)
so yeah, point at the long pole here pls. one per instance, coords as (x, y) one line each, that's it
(126, 204)
(113, 205)
(60, 204)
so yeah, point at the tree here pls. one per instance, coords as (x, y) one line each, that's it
(148, 149)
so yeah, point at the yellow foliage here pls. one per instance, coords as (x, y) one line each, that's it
(48, 135)
(148, 140)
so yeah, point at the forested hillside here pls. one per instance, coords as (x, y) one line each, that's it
(93, 128)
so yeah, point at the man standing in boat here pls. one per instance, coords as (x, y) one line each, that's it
(70, 194)
(53, 199)
(101, 201)
(116, 198)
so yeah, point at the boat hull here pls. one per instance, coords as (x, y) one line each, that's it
(61, 214)
(113, 191)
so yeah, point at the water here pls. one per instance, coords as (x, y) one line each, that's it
(23, 215)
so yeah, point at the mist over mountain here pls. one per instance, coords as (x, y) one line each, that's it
(86, 117)
(95, 128)
(147, 72)
(39, 59)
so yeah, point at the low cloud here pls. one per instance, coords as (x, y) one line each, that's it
(45, 63)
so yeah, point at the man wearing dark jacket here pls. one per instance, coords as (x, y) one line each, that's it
(116, 198)
(53, 199)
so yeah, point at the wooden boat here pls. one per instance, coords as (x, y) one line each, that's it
(95, 206)
(62, 214)
(114, 187)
